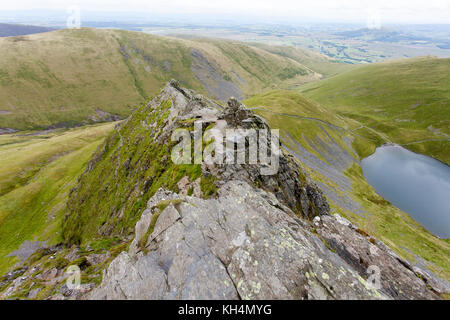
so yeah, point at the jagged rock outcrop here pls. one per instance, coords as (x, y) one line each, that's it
(363, 252)
(289, 184)
(259, 237)
(102, 116)
(239, 245)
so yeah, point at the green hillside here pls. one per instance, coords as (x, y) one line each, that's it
(329, 148)
(36, 175)
(68, 77)
(405, 101)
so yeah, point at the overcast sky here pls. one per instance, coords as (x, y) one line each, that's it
(387, 11)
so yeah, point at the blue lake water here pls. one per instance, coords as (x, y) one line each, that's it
(416, 184)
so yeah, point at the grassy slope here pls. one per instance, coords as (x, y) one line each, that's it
(384, 221)
(273, 104)
(65, 75)
(37, 173)
(404, 101)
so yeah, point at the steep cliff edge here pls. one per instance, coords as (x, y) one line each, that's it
(258, 237)
(242, 245)
(135, 161)
(210, 230)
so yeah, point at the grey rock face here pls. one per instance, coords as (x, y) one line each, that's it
(7, 130)
(101, 116)
(366, 255)
(240, 245)
(236, 113)
(211, 77)
(26, 249)
(290, 184)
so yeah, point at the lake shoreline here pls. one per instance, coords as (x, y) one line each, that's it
(416, 184)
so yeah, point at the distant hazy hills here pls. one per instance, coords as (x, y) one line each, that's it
(386, 35)
(7, 30)
(382, 34)
(67, 77)
(316, 61)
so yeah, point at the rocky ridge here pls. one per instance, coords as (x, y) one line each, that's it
(258, 238)
(226, 232)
